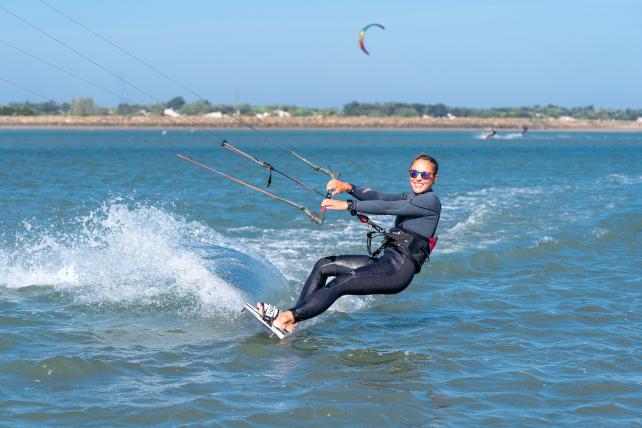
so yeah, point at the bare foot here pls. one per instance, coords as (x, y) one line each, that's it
(284, 321)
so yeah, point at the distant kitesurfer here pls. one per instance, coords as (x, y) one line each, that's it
(406, 247)
(524, 130)
(492, 133)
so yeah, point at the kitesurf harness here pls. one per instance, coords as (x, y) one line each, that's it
(413, 245)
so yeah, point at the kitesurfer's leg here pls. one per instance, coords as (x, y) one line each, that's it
(327, 267)
(381, 277)
(323, 269)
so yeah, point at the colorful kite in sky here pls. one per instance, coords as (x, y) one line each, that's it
(363, 33)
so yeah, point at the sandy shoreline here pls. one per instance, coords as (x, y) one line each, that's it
(315, 122)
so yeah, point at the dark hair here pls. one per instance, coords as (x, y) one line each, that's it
(430, 159)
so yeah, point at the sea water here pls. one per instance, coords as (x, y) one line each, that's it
(123, 268)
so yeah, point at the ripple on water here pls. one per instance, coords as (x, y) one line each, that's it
(64, 368)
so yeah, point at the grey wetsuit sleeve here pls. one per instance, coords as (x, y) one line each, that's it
(412, 205)
(365, 194)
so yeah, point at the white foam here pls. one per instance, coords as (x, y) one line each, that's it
(511, 136)
(624, 179)
(543, 241)
(137, 255)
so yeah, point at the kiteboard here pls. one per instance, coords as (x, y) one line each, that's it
(256, 314)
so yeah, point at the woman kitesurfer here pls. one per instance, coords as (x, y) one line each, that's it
(405, 248)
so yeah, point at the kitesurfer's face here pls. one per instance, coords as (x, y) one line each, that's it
(418, 183)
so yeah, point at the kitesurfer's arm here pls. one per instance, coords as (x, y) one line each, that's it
(366, 194)
(413, 205)
(362, 194)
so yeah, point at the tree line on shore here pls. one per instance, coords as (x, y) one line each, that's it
(87, 107)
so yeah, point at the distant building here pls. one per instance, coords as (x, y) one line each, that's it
(567, 119)
(281, 113)
(171, 113)
(143, 112)
(451, 116)
(639, 119)
(215, 115)
(262, 115)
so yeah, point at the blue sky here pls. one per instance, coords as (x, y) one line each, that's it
(476, 53)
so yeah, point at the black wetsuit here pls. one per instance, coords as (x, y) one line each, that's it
(362, 275)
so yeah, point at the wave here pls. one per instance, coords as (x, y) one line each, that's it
(138, 255)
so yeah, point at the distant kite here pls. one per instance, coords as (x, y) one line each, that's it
(363, 33)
